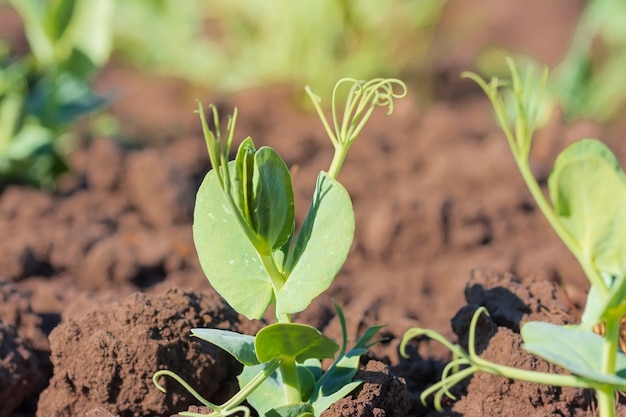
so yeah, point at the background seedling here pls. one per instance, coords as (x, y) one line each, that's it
(589, 80)
(244, 232)
(312, 43)
(45, 91)
(588, 192)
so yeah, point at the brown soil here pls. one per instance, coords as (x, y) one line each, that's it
(100, 284)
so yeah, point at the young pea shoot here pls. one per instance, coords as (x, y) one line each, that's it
(363, 98)
(244, 232)
(588, 192)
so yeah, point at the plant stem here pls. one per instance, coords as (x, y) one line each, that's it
(609, 351)
(606, 394)
(291, 381)
(606, 402)
(341, 151)
(552, 218)
(529, 376)
(9, 118)
(363, 98)
(233, 404)
(252, 385)
(277, 278)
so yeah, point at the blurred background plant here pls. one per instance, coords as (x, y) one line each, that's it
(224, 46)
(589, 82)
(46, 90)
(591, 79)
(231, 45)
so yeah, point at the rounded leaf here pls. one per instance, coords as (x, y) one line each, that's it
(577, 350)
(273, 202)
(321, 247)
(588, 190)
(228, 258)
(240, 346)
(293, 340)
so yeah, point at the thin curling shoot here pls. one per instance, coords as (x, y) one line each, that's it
(362, 99)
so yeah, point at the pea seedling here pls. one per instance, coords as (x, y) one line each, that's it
(588, 192)
(244, 234)
(48, 89)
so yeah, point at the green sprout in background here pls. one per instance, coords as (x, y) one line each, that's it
(310, 42)
(588, 191)
(45, 91)
(590, 80)
(235, 45)
(244, 232)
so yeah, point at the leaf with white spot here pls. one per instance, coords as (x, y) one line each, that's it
(321, 247)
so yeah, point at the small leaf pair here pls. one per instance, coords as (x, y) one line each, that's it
(297, 347)
(244, 231)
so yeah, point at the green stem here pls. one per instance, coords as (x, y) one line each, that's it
(251, 386)
(606, 402)
(550, 215)
(291, 382)
(609, 349)
(511, 372)
(231, 406)
(520, 141)
(276, 277)
(341, 151)
(529, 376)
(363, 97)
(606, 393)
(10, 113)
(189, 388)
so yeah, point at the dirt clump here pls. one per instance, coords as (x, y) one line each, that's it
(511, 303)
(107, 358)
(382, 394)
(21, 375)
(25, 366)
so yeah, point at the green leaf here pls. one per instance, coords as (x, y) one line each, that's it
(228, 258)
(58, 17)
(337, 382)
(56, 29)
(241, 180)
(270, 394)
(588, 190)
(321, 247)
(293, 340)
(577, 350)
(93, 30)
(273, 206)
(61, 99)
(291, 410)
(332, 385)
(32, 158)
(308, 372)
(261, 188)
(31, 13)
(240, 346)
(322, 403)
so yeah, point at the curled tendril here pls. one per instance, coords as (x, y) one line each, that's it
(363, 98)
(230, 407)
(217, 410)
(379, 91)
(462, 366)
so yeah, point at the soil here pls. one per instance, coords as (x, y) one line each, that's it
(100, 283)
